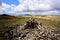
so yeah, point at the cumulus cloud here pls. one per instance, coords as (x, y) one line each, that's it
(42, 7)
(36, 4)
(41, 4)
(35, 7)
(7, 9)
(4, 6)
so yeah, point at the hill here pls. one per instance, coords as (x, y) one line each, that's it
(45, 20)
(15, 21)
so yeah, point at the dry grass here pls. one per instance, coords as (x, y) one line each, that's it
(7, 21)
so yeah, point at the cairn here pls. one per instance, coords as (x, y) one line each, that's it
(32, 23)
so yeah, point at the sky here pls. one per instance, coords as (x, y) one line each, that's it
(33, 7)
(10, 2)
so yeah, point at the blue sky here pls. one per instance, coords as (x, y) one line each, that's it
(11, 2)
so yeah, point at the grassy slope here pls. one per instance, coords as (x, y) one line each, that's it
(7, 21)
(47, 20)
(53, 21)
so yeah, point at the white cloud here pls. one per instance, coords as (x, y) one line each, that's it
(50, 6)
(4, 6)
(7, 9)
(46, 7)
(41, 4)
(37, 4)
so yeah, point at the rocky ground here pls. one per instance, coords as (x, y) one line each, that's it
(39, 33)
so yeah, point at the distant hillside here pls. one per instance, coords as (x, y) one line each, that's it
(25, 15)
(4, 15)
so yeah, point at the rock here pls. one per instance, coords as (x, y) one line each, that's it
(32, 23)
(25, 32)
